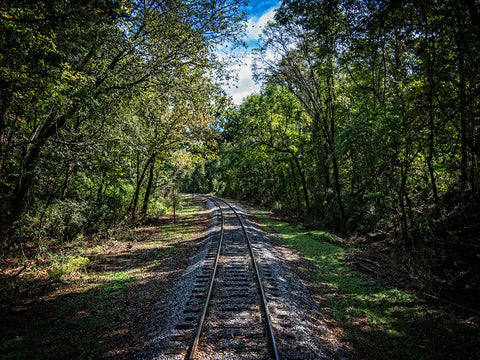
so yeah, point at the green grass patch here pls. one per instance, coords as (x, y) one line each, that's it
(381, 322)
(117, 281)
(72, 264)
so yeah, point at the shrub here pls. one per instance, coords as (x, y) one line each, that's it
(157, 208)
(65, 220)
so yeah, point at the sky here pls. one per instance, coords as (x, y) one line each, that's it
(258, 15)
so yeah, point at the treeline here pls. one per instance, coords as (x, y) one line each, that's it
(102, 106)
(368, 118)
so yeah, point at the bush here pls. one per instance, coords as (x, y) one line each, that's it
(65, 220)
(157, 208)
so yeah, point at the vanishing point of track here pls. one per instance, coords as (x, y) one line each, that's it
(227, 312)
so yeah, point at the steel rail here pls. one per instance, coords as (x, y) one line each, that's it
(262, 292)
(194, 347)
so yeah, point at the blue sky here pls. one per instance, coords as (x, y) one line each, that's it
(258, 8)
(258, 14)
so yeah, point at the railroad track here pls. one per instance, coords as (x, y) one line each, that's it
(226, 315)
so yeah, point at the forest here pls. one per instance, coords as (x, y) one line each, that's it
(367, 123)
(104, 104)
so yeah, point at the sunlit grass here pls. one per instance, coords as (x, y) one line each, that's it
(382, 322)
(117, 281)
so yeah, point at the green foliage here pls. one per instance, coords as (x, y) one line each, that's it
(99, 101)
(64, 220)
(158, 208)
(117, 282)
(366, 118)
(96, 295)
(266, 159)
(67, 267)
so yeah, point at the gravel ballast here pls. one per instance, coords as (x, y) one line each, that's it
(302, 331)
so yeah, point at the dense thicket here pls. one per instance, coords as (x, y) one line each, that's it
(369, 116)
(99, 101)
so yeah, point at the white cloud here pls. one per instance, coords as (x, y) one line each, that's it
(245, 84)
(255, 25)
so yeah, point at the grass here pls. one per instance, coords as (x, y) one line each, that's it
(67, 266)
(88, 299)
(380, 322)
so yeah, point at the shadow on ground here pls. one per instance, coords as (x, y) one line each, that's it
(104, 313)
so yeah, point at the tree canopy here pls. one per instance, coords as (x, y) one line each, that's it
(97, 97)
(368, 116)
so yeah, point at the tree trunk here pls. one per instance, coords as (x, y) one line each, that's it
(331, 141)
(174, 208)
(463, 119)
(431, 116)
(304, 183)
(103, 184)
(295, 185)
(27, 167)
(66, 183)
(324, 166)
(3, 127)
(149, 187)
(338, 190)
(403, 211)
(139, 186)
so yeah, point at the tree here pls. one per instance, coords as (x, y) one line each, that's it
(391, 101)
(305, 38)
(72, 70)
